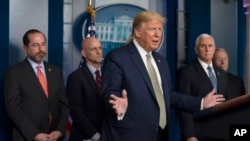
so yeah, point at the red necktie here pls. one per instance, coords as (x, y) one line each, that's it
(44, 85)
(98, 81)
(42, 80)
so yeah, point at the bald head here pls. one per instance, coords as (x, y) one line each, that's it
(92, 51)
(88, 42)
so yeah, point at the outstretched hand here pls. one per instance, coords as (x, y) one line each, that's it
(212, 99)
(119, 104)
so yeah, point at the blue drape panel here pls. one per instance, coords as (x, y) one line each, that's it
(171, 52)
(241, 39)
(55, 33)
(4, 55)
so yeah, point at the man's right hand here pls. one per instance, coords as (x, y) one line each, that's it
(43, 137)
(119, 104)
(192, 139)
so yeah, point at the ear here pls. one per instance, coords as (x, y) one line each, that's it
(25, 48)
(137, 32)
(196, 51)
(83, 53)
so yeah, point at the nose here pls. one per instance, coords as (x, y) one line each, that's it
(206, 48)
(41, 46)
(158, 32)
(99, 50)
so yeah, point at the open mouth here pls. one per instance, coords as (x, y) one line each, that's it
(155, 42)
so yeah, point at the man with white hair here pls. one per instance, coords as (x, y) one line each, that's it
(198, 79)
(235, 83)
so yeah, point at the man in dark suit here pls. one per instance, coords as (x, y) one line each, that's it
(193, 79)
(235, 83)
(86, 101)
(132, 83)
(38, 113)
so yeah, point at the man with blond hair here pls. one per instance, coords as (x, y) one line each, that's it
(137, 87)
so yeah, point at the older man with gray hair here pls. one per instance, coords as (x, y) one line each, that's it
(235, 83)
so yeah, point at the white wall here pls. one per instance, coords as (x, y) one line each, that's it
(24, 15)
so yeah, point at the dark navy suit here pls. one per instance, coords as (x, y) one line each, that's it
(124, 69)
(236, 86)
(193, 80)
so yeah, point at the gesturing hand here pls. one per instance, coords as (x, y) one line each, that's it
(119, 104)
(212, 99)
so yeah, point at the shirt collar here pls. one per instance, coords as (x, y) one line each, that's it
(34, 64)
(141, 50)
(93, 69)
(205, 65)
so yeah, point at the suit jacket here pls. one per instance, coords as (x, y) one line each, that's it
(124, 69)
(86, 104)
(193, 80)
(27, 105)
(235, 86)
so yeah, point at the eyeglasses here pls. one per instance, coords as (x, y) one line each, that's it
(221, 59)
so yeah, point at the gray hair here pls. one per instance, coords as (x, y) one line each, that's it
(203, 35)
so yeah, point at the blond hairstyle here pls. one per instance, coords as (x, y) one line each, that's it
(145, 16)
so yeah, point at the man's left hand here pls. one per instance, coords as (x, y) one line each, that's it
(212, 99)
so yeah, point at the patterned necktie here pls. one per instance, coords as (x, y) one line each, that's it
(158, 92)
(212, 77)
(42, 80)
(98, 80)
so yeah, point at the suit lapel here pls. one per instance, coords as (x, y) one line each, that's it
(49, 76)
(31, 75)
(140, 66)
(218, 77)
(90, 77)
(165, 81)
(201, 71)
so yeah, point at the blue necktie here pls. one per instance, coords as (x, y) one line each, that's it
(212, 77)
